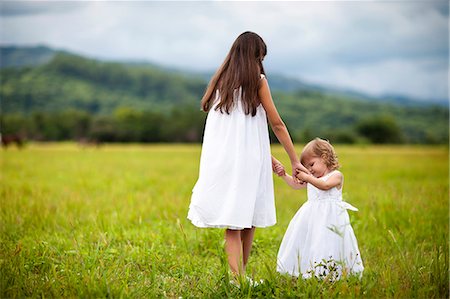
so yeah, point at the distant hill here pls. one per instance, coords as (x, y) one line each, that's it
(286, 84)
(11, 56)
(16, 57)
(68, 81)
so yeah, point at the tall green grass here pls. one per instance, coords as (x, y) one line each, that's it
(111, 222)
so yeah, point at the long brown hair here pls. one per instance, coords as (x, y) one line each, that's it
(241, 69)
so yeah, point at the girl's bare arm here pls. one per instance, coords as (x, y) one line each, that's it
(291, 182)
(335, 180)
(278, 126)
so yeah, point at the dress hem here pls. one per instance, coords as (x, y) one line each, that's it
(201, 224)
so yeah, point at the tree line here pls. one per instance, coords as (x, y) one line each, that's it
(182, 124)
(74, 98)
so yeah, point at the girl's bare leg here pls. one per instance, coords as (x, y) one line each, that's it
(233, 248)
(247, 241)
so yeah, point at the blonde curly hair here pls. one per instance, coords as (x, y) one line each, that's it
(323, 149)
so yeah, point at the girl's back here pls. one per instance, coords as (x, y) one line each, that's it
(235, 186)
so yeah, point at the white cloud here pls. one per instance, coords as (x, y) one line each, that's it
(418, 79)
(10, 8)
(372, 46)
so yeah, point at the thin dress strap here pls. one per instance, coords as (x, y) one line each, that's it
(325, 177)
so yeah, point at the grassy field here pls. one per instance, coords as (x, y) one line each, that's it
(111, 222)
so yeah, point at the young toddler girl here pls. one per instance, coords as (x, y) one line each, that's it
(319, 240)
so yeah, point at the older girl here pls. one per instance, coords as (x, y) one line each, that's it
(235, 186)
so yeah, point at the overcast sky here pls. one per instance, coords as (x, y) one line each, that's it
(377, 47)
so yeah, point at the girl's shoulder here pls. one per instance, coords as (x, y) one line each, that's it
(333, 173)
(337, 179)
(338, 172)
(263, 80)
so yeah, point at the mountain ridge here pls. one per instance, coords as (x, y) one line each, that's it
(20, 56)
(75, 85)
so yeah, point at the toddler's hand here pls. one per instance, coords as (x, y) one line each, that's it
(302, 176)
(278, 168)
(301, 183)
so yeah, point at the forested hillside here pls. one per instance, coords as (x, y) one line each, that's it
(11, 56)
(72, 97)
(70, 81)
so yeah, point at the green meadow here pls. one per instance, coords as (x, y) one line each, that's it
(111, 222)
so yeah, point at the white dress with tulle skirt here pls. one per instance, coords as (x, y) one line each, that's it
(235, 185)
(319, 240)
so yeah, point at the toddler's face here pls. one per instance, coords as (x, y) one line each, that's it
(316, 165)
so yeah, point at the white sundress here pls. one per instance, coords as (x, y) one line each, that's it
(235, 185)
(319, 240)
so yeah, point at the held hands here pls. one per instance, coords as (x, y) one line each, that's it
(277, 167)
(302, 176)
(299, 172)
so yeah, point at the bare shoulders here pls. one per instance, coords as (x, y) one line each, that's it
(263, 82)
(334, 173)
(337, 173)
